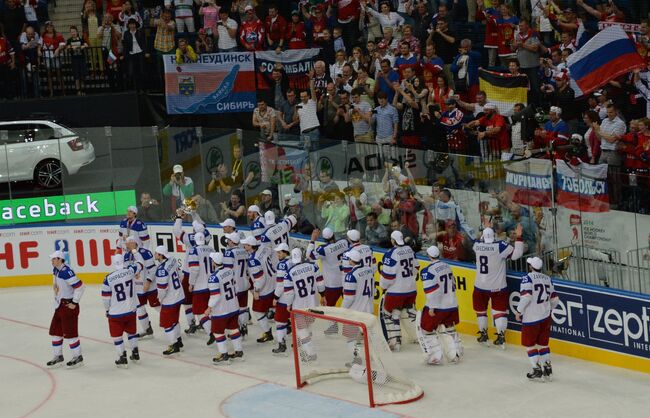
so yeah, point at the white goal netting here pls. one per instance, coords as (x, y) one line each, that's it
(337, 343)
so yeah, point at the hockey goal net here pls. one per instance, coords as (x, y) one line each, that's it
(338, 343)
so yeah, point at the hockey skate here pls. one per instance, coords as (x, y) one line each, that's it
(548, 372)
(179, 341)
(135, 355)
(266, 337)
(535, 375)
(172, 349)
(211, 340)
(122, 362)
(500, 341)
(281, 350)
(57, 361)
(75, 362)
(192, 328)
(482, 337)
(243, 330)
(221, 360)
(237, 355)
(147, 334)
(307, 358)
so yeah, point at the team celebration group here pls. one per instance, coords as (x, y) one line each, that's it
(212, 289)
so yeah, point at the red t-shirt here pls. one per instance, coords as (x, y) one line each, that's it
(452, 247)
(52, 42)
(502, 137)
(5, 51)
(114, 9)
(347, 10)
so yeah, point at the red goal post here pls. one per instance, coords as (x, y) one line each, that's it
(338, 343)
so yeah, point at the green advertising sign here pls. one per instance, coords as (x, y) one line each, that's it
(57, 208)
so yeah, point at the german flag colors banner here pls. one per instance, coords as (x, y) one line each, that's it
(504, 90)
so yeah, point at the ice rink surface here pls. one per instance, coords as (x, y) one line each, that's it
(487, 383)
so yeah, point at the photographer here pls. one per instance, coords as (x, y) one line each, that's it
(179, 187)
(342, 122)
(149, 209)
(360, 114)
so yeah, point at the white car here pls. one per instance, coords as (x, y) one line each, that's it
(41, 151)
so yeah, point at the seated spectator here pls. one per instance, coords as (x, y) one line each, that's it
(179, 188)
(267, 203)
(183, 14)
(205, 209)
(226, 33)
(204, 43)
(149, 209)
(376, 233)
(185, 53)
(234, 209)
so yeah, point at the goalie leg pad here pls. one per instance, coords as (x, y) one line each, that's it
(391, 323)
(429, 343)
(407, 322)
(452, 345)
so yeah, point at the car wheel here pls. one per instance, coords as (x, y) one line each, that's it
(48, 174)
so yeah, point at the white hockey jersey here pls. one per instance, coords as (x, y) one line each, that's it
(359, 289)
(491, 263)
(330, 255)
(236, 258)
(187, 238)
(439, 287)
(223, 293)
(262, 271)
(277, 234)
(257, 228)
(281, 272)
(538, 298)
(366, 256)
(148, 272)
(168, 283)
(118, 291)
(302, 286)
(135, 228)
(66, 285)
(399, 271)
(200, 267)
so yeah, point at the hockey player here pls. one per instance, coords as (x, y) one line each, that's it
(67, 293)
(171, 296)
(398, 274)
(358, 295)
(302, 286)
(145, 284)
(257, 225)
(189, 243)
(120, 303)
(330, 255)
(200, 269)
(490, 284)
(538, 299)
(262, 273)
(277, 233)
(236, 258)
(228, 227)
(223, 309)
(281, 312)
(354, 238)
(439, 316)
(131, 226)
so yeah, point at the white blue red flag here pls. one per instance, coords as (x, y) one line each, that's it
(603, 58)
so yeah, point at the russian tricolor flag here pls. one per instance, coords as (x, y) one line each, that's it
(603, 58)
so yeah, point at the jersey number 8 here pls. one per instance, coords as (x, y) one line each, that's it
(483, 264)
(302, 287)
(120, 293)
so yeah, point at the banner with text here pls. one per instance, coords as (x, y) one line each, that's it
(295, 62)
(216, 83)
(529, 182)
(582, 188)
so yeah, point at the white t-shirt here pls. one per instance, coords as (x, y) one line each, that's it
(225, 41)
(308, 115)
